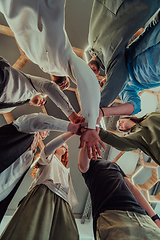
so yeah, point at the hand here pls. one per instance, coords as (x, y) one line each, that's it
(100, 116)
(75, 118)
(91, 138)
(77, 128)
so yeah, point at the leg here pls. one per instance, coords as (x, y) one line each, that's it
(41, 215)
(115, 224)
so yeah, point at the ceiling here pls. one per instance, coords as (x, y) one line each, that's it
(77, 22)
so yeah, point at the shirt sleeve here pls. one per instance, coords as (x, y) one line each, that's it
(49, 149)
(39, 122)
(129, 95)
(88, 88)
(121, 143)
(49, 88)
(53, 145)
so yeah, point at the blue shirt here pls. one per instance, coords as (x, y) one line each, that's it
(143, 61)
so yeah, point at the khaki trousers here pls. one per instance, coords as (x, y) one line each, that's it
(125, 225)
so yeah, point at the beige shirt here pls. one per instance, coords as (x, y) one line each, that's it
(56, 177)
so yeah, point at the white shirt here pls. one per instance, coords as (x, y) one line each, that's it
(39, 29)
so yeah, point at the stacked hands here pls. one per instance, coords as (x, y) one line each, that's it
(90, 136)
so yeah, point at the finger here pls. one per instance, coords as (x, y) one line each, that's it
(98, 149)
(82, 129)
(94, 152)
(81, 144)
(102, 144)
(88, 151)
(83, 124)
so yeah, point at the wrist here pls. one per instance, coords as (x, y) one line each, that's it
(71, 127)
(72, 117)
(155, 217)
(102, 112)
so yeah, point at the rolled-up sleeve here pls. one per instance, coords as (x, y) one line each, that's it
(129, 95)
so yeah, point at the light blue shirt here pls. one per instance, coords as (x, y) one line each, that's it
(143, 61)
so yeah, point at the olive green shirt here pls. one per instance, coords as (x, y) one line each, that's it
(144, 136)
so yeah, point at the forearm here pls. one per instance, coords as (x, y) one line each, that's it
(49, 88)
(83, 160)
(56, 143)
(122, 109)
(88, 88)
(120, 143)
(140, 198)
(66, 136)
(39, 122)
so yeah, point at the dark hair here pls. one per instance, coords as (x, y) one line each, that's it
(94, 62)
(59, 80)
(135, 119)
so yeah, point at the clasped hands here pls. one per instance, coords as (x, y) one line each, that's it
(90, 136)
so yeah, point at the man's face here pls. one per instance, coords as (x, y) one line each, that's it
(38, 100)
(94, 69)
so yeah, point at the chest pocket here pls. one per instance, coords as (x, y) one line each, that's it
(112, 6)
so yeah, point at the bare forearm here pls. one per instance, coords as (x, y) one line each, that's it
(83, 160)
(122, 109)
(140, 199)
